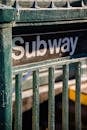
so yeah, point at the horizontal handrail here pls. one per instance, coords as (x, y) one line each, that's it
(43, 64)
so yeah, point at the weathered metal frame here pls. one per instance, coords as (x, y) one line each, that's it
(12, 16)
(51, 15)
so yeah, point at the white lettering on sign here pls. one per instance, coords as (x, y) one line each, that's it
(63, 45)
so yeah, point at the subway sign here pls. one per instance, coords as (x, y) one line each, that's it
(39, 46)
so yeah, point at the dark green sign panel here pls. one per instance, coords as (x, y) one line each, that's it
(38, 44)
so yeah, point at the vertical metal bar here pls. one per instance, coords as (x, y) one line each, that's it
(5, 78)
(65, 116)
(51, 101)
(18, 103)
(35, 109)
(77, 103)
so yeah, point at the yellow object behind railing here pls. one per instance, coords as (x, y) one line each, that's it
(83, 97)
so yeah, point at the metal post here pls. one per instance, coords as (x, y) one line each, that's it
(51, 101)
(18, 102)
(35, 112)
(65, 103)
(77, 103)
(5, 78)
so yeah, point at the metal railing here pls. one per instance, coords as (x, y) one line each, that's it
(16, 16)
(51, 95)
